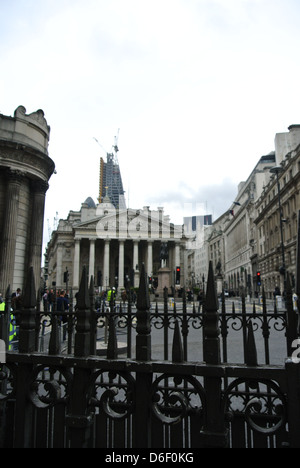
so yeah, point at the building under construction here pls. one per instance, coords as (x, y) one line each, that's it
(111, 184)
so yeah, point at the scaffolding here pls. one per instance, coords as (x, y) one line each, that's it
(110, 182)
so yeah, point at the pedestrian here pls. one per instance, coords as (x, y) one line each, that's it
(16, 294)
(111, 295)
(12, 326)
(51, 300)
(16, 299)
(45, 301)
(62, 305)
(124, 296)
(276, 293)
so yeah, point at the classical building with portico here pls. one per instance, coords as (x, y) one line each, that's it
(112, 244)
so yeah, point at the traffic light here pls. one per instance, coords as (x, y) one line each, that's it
(66, 276)
(178, 275)
(150, 279)
(258, 278)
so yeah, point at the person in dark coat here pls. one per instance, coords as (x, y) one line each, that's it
(62, 305)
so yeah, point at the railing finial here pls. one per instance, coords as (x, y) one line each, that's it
(143, 299)
(83, 326)
(29, 300)
(177, 349)
(143, 328)
(211, 342)
(83, 295)
(250, 352)
(211, 303)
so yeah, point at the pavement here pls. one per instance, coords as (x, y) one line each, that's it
(276, 342)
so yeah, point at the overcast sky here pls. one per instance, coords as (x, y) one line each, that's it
(198, 88)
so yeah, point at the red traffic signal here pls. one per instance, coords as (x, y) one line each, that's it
(177, 275)
(258, 278)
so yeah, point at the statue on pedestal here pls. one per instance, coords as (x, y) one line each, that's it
(164, 274)
(164, 254)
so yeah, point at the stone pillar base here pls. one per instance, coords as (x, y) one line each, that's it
(164, 281)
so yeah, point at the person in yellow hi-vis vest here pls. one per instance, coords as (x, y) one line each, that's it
(111, 295)
(12, 326)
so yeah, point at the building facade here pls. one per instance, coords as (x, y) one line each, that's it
(197, 230)
(216, 246)
(25, 169)
(246, 239)
(231, 243)
(112, 244)
(268, 224)
(240, 232)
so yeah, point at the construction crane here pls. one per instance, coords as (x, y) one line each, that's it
(55, 225)
(115, 147)
(100, 144)
(49, 229)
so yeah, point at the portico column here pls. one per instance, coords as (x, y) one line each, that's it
(76, 271)
(106, 278)
(92, 258)
(136, 263)
(39, 189)
(10, 224)
(59, 265)
(121, 264)
(177, 255)
(150, 258)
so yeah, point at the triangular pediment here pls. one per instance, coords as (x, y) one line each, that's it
(130, 223)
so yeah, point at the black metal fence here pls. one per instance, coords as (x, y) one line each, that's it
(168, 378)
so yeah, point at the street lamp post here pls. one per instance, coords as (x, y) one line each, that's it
(277, 170)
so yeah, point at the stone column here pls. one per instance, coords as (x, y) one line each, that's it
(150, 258)
(76, 267)
(39, 189)
(106, 272)
(177, 255)
(10, 223)
(92, 259)
(59, 265)
(136, 263)
(121, 265)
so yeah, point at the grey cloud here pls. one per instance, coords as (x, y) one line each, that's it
(214, 198)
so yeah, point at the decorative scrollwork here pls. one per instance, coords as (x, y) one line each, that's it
(158, 321)
(49, 386)
(7, 381)
(197, 322)
(123, 321)
(260, 401)
(236, 321)
(279, 322)
(174, 397)
(113, 392)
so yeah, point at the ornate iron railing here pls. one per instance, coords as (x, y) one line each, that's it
(76, 398)
(269, 326)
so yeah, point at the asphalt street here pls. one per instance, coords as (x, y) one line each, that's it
(235, 354)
